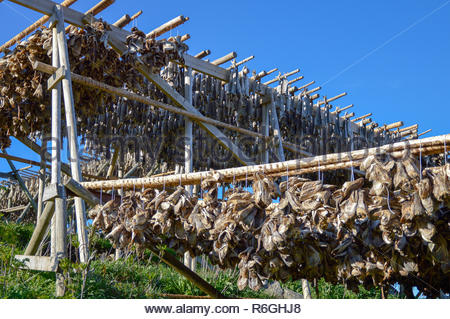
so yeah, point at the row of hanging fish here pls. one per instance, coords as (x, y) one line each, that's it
(390, 227)
(25, 102)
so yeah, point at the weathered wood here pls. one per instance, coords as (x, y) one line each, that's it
(202, 54)
(123, 21)
(313, 90)
(241, 62)
(113, 163)
(230, 56)
(425, 132)
(42, 176)
(34, 163)
(389, 126)
(78, 190)
(433, 144)
(179, 267)
(40, 229)
(306, 290)
(136, 15)
(339, 110)
(58, 227)
(39, 263)
(296, 80)
(99, 7)
(185, 37)
(172, 24)
(415, 126)
(334, 98)
(13, 209)
(282, 76)
(361, 117)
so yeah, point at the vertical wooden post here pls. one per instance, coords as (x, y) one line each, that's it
(58, 228)
(276, 130)
(119, 253)
(42, 173)
(188, 154)
(265, 132)
(69, 107)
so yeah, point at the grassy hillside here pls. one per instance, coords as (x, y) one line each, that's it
(129, 277)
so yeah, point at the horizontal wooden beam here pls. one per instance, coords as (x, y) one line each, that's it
(309, 164)
(206, 67)
(39, 263)
(13, 209)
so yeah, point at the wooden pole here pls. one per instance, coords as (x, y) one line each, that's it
(361, 117)
(265, 131)
(339, 110)
(178, 266)
(242, 62)
(172, 24)
(303, 87)
(437, 144)
(334, 98)
(40, 230)
(188, 150)
(99, 7)
(282, 76)
(58, 230)
(71, 123)
(123, 21)
(296, 80)
(225, 58)
(114, 158)
(423, 133)
(32, 28)
(202, 54)
(42, 175)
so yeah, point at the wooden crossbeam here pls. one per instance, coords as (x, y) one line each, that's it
(333, 161)
(39, 263)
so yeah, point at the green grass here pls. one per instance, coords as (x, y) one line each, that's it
(129, 277)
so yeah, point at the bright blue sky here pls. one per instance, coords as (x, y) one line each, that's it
(391, 57)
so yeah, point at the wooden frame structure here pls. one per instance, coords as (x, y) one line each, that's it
(61, 82)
